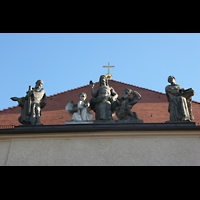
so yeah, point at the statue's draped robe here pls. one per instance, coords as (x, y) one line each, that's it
(178, 107)
(101, 104)
(28, 107)
(82, 114)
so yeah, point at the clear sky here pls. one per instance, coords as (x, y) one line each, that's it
(65, 61)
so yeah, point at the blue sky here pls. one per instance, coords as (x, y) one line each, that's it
(66, 61)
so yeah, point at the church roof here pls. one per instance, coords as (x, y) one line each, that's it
(152, 108)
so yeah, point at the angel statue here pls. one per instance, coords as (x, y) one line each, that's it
(125, 104)
(79, 112)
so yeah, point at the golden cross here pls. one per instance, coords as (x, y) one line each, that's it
(108, 75)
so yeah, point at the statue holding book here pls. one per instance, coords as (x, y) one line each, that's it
(180, 101)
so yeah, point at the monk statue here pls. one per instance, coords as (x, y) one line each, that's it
(180, 101)
(32, 104)
(102, 99)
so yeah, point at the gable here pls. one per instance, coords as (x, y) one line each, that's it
(152, 108)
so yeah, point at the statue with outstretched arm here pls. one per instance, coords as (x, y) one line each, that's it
(32, 104)
(102, 99)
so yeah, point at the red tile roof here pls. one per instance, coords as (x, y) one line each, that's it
(152, 108)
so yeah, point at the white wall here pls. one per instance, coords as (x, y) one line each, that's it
(128, 148)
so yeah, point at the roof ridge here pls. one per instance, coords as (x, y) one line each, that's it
(8, 108)
(53, 95)
(148, 89)
(140, 87)
(195, 102)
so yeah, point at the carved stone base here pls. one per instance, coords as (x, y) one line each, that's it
(105, 121)
(79, 122)
(130, 121)
(181, 122)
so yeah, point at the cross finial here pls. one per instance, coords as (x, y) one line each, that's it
(108, 75)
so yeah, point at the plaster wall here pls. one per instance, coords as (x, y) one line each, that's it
(95, 149)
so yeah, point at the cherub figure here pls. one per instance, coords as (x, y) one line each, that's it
(79, 112)
(125, 104)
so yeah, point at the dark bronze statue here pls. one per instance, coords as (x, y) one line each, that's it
(32, 104)
(102, 99)
(180, 101)
(125, 104)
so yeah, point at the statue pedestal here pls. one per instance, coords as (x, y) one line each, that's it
(79, 122)
(181, 122)
(130, 121)
(106, 122)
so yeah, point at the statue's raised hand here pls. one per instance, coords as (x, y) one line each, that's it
(91, 84)
(14, 98)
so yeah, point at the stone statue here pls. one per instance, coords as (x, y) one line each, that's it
(125, 104)
(32, 104)
(102, 99)
(180, 101)
(79, 112)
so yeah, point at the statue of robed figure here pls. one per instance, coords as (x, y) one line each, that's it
(32, 104)
(180, 101)
(102, 99)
